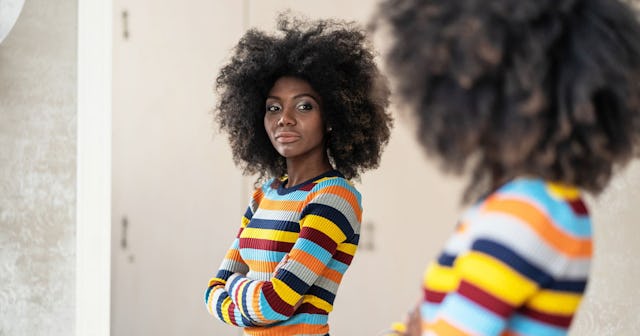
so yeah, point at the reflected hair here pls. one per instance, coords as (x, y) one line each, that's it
(507, 88)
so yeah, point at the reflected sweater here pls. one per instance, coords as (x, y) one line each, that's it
(311, 231)
(517, 264)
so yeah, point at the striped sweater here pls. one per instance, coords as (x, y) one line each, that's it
(517, 264)
(282, 272)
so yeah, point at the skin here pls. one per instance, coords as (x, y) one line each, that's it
(294, 123)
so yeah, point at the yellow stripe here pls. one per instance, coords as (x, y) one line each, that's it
(276, 235)
(348, 248)
(318, 302)
(325, 226)
(225, 310)
(217, 280)
(441, 278)
(240, 290)
(244, 222)
(325, 179)
(563, 191)
(554, 302)
(285, 292)
(495, 277)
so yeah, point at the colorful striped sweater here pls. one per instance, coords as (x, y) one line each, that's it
(312, 231)
(517, 264)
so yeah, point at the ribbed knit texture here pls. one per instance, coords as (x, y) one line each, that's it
(517, 264)
(315, 226)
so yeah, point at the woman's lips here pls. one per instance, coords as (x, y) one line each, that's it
(287, 137)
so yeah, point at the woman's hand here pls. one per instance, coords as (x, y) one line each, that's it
(413, 322)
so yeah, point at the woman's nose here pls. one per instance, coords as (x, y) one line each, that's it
(287, 117)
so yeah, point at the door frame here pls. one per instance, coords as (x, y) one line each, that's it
(93, 169)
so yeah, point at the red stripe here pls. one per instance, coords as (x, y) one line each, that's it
(432, 296)
(265, 244)
(342, 257)
(319, 238)
(562, 321)
(308, 187)
(485, 299)
(578, 207)
(308, 308)
(276, 303)
(232, 316)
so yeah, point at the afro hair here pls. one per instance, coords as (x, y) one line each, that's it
(507, 88)
(336, 59)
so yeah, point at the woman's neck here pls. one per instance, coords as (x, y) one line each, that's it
(298, 172)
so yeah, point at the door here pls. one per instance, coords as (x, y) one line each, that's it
(177, 197)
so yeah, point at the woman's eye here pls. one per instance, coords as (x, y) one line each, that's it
(273, 108)
(305, 106)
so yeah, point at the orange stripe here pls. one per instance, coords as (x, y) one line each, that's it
(256, 303)
(233, 254)
(442, 327)
(332, 275)
(541, 224)
(295, 329)
(312, 263)
(257, 195)
(269, 204)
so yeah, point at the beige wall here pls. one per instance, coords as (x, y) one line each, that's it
(410, 207)
(37, 171)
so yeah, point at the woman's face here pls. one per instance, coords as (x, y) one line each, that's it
(293, 119)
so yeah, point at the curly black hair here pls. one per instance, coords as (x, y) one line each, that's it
(336, 59)
(507, 88)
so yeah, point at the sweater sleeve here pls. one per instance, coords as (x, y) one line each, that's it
(509, 264)
(329, 223)
(216, 298)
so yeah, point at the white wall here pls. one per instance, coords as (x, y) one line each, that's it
(37, 171)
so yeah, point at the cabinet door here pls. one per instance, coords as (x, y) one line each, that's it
(177, 197)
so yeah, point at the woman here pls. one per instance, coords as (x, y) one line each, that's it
(306, 110)
(540, 101)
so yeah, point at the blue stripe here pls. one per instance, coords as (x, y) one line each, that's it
(322, 293)
(223, 274)
(469, 314)
(292, 281)
(428, 311)
(559, 210)
(337, 266)
(513, 260)
(330, 213)
(248, 213)
(246, 321)
(261, 255)
(446, 259)
(526, 326)
(355, 240)
(312, 248)
(274, 224)
(206, 294)
(577, 286)
(305, 318)
(221, 299)
(244, 296)
(268, 312)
